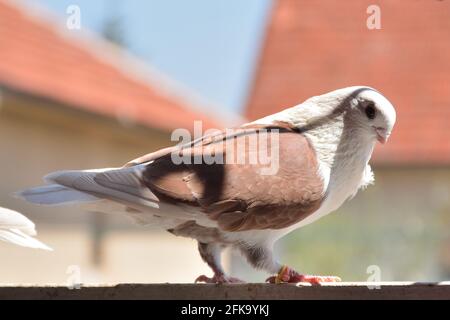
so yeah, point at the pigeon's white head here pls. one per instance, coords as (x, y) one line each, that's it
(370, 111)
(361, 110)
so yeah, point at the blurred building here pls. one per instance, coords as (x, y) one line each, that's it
(402, 223)
(70, 100)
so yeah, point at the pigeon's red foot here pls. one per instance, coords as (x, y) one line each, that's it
(288, 275)
(218, 278)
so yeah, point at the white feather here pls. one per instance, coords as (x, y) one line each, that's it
(55, 194)
(113, 190)
(81, 186)
(18, 229)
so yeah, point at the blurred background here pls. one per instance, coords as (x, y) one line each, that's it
(88, 84)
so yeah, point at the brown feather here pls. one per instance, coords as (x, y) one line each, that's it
(237, 196)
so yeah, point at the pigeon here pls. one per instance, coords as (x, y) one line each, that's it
(18, 229)
(243, 199)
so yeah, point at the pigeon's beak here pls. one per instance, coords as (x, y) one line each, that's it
(382, 134)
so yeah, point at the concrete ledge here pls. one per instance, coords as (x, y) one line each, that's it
(390, 290)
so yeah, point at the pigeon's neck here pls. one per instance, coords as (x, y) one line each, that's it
(346, 154)
(341, 147)
(326, 141)
(337, 144)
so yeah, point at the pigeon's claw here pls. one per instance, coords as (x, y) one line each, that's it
(288, 275)
(217, 278)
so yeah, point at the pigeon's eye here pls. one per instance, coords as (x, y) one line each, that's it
(371, 111)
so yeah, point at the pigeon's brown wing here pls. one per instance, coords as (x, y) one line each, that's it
(207, 139)
(241, 195)
(151, 156)
(166, 151)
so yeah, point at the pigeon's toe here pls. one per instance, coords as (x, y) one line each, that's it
(288, 275)
(217, 279)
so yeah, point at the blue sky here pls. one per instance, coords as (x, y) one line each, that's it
(210, 46)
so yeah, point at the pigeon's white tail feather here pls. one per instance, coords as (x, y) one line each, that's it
(122, 185)
(20, 238)
(111, 190)
(55, 194)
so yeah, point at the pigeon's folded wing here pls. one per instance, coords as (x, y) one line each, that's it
(237, 195)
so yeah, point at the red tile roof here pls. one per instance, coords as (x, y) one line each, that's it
(39, 58)
(313, 47)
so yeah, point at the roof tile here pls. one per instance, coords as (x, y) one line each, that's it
(38, 59)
